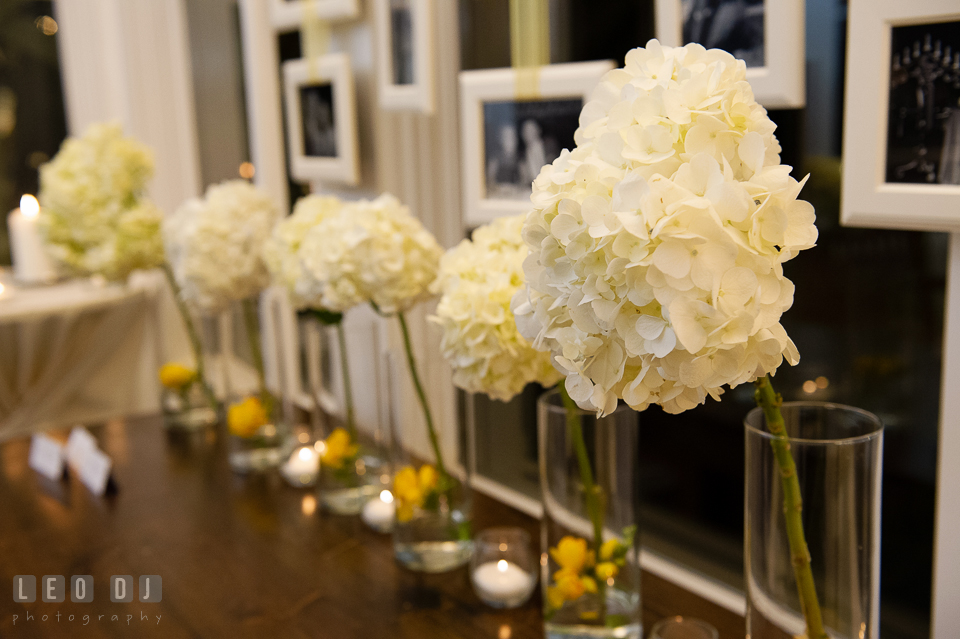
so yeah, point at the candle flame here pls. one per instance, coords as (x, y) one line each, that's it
(29, 206)
(305, 454)
(2, 287)
(386, 496)
(502, 565)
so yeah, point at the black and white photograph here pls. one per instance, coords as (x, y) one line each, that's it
(923, 117)
(319, 130)
(736, 26)
(401, 41)
(321, 119)
(520, 137)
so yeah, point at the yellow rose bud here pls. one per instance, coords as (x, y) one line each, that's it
(405, 485)
(589, 584)
(606, 570)
(404, 511)
(245, 418)
(337, 447)
(176, 376)
(555, 598)
(570, 553)
(608, 549)
(571, 587)
(428, 478)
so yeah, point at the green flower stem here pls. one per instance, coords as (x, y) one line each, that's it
(434, 442)
(590, 489)
(251, 321)
(769, 401)
(192, 335)
(347, 387)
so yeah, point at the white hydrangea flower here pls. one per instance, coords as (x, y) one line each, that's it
(477, 281)
(93, 212)
(215, 245)
(371, 251)
(283, 249)
(657, 244)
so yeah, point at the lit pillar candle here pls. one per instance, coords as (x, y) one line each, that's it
(31, 264)
(303, 467)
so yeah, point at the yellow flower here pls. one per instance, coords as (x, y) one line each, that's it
(571, 587)
(337, 447)
(406, 488)
(245, 418)
(555, 598)
(606, 570)
(570, 553)
(176, 376)
(589, 584)
(608, 548)
(404, 511)
(428, 478)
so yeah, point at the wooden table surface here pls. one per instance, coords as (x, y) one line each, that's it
(241, 557)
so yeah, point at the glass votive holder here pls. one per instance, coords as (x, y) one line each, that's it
(683, 628)
(503, 569)
(379, 513)
(302, 468)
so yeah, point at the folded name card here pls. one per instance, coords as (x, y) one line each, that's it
(46, 457)
(90, 463)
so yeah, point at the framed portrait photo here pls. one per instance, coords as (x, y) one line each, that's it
(289, 14)
(901, 145)
(321, 119)
(766, 34)
(405, 54)
(506, 141)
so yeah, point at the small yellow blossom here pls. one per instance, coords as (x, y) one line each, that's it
(607, 569)
(589, 584)
(555, 598)
(411, 488)
(571, 587)
(245, 418)
(608, 549)
(337, 447)
(176, 376)
(570, 553)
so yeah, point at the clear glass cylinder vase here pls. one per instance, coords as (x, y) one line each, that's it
(188, 409)
(838, 456)
(591, 500)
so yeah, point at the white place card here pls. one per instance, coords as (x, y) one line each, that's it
(46, 457)
(79, 445)
(94, 470)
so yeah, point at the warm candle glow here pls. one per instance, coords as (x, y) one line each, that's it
(305, 454)
(2, 287)
(502, 565)
(29, 206)
(386, 496)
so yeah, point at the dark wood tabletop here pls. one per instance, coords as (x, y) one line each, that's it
(241, 556)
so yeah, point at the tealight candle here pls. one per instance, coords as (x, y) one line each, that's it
(503, 567)
(303, 467)
(502, 583)
(31, 264)
(379, 513)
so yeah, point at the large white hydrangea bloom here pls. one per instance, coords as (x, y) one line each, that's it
(93, 212)
(215, 244)
(657, 245)
(283, 251)
(371, 251)
(477, 281)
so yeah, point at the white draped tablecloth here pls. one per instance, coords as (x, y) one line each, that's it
(80, 351)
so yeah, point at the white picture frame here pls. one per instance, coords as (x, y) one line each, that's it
(287, 15)
(868, 198)
(416, 95)
(308, 154)
(781, 82)
(560, 83)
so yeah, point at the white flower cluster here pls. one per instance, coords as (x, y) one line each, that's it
(283, 250)
(215, 245)
(371, 251)
(477, 280)
(657, 245)
(93, 213)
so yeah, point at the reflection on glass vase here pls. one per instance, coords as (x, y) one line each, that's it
(591, 499)
(350, 473)
(830, 500)
(188, 409)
